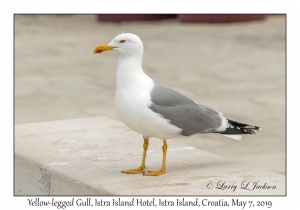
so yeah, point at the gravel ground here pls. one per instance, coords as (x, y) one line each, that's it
(236, 68)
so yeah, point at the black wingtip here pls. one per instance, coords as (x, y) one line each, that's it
(258, 128)
(240, 128)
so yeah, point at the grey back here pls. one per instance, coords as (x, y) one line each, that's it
(184, 113)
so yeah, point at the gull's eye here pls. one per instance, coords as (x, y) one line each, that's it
(122, 41)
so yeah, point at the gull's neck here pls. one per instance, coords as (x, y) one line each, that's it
(130, 62)
(130, 72)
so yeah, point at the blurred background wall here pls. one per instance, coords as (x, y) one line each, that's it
(237, 68)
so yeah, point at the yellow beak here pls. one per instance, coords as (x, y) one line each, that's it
(102, 48)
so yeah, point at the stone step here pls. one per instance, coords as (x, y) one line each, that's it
(86, 156)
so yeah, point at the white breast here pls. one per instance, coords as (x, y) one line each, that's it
(132, 101)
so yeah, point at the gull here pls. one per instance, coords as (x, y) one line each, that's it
(153, 110)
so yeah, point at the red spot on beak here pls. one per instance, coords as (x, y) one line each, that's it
(103, 48)
(98, 51)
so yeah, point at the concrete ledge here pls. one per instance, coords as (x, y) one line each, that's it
(85, 157)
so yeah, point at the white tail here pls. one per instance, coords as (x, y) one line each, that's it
(235, 137)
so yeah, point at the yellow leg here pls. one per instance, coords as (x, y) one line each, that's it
(163, 168)
(142, 168)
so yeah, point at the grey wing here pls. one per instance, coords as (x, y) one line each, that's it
(182, 112)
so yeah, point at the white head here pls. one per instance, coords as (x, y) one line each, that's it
(124, 44)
